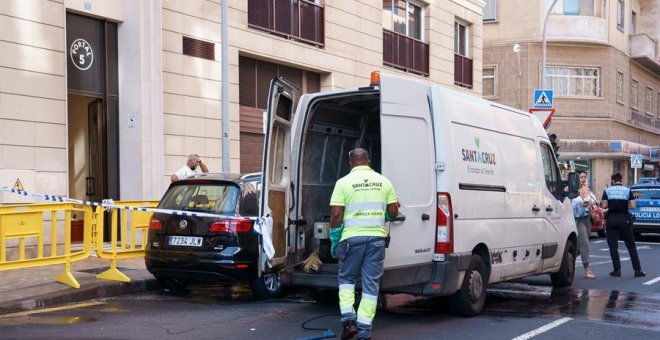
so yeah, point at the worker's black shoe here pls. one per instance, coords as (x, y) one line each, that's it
(616, 273)
(349, 330)
(639, 273)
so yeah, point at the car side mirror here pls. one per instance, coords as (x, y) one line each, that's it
(573, 185)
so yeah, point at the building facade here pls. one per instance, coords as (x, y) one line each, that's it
(603, 65)
(105, 99)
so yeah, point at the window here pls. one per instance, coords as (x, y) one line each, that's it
(620, 6)
(198, 48)
(301, 20)
(403, 34)
(461, 38)
(619, 87)
(551, 171)
(490, 11)
(649, 101)
(462, 62)
(634, 96)
(489, 81)
(571, 7)
(573, 81)
(594, 8)
(403, 17)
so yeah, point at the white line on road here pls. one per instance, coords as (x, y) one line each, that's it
(543, 329)
(648, 283)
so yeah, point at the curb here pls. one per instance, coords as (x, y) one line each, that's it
(90, 292)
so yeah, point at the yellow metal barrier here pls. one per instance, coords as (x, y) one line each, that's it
(129, 241)
(40, 223)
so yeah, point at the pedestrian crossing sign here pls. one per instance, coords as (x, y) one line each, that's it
(543, 99)
(636, 161)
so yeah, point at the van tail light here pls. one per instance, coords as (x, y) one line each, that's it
(444, 239)
(154, 224)
(235, 226)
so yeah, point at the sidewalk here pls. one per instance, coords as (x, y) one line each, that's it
(27, 289)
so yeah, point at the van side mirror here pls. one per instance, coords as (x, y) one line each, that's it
(573, 185)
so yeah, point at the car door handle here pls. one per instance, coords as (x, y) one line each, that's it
(535, 208)
(399, 218)
(426, 217)
(549, 209)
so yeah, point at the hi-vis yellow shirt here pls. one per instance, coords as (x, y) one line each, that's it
(364, 194)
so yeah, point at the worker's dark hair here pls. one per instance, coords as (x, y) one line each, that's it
(617, 177)
(580, 172)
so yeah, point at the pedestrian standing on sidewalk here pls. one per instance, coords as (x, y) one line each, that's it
(359, 202)
(581, 213)
(618, 199)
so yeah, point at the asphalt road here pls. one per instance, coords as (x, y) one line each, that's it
(605, 308)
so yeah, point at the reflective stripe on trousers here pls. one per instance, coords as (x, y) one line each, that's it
(366, 257)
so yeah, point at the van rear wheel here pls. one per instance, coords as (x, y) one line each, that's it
(564, 277)
(470, 299)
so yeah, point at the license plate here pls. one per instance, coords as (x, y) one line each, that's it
(186, 241)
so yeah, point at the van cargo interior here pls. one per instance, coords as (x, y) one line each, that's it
(335, 126)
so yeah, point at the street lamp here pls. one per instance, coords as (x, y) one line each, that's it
(545, 24)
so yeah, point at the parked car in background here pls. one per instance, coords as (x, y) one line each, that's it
(184, 249)
(647, 211)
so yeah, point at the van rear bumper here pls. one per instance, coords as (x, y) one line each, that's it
(427, 279)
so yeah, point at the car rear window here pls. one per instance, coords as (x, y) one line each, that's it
(646, 193)
(215, 198)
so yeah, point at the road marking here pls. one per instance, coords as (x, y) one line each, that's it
(648, 283)
(51, 309)
(543, 329)
(610, 261)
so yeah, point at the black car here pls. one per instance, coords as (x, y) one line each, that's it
(184, 248)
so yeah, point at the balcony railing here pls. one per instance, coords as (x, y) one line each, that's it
(405, 53)
(294, 19)
(462, 71)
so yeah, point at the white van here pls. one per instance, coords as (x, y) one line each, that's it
(482, 200)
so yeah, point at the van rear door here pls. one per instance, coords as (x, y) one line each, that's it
(408, 161)
(276, 193)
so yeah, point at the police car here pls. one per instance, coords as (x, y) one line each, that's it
(647, 212)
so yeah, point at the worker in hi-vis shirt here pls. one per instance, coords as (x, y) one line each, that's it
(359, 202)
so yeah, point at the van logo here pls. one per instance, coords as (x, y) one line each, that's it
(183, 224)
(476, 141)
(366, 180)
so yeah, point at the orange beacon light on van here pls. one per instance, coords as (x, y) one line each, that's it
(375, 78)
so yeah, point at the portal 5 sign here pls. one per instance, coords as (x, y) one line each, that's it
(82, 55)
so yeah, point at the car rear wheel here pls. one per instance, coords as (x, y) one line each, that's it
(268, 286)
(173, 284)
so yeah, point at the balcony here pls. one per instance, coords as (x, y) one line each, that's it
(405, 53)
(581, 28)
(644, 50)
(299, 20)
(462, 71)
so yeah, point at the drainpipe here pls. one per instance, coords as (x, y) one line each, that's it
(545, 25)
(225, 88)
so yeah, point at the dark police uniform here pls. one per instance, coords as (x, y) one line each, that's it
(619, 224)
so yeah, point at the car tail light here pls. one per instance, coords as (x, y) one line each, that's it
(236, 226)
(154, 224)
(444, 241)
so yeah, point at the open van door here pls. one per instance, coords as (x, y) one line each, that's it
(408, 161)
(276, 194)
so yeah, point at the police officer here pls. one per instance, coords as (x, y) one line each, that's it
(619, 199)
(359, 201)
